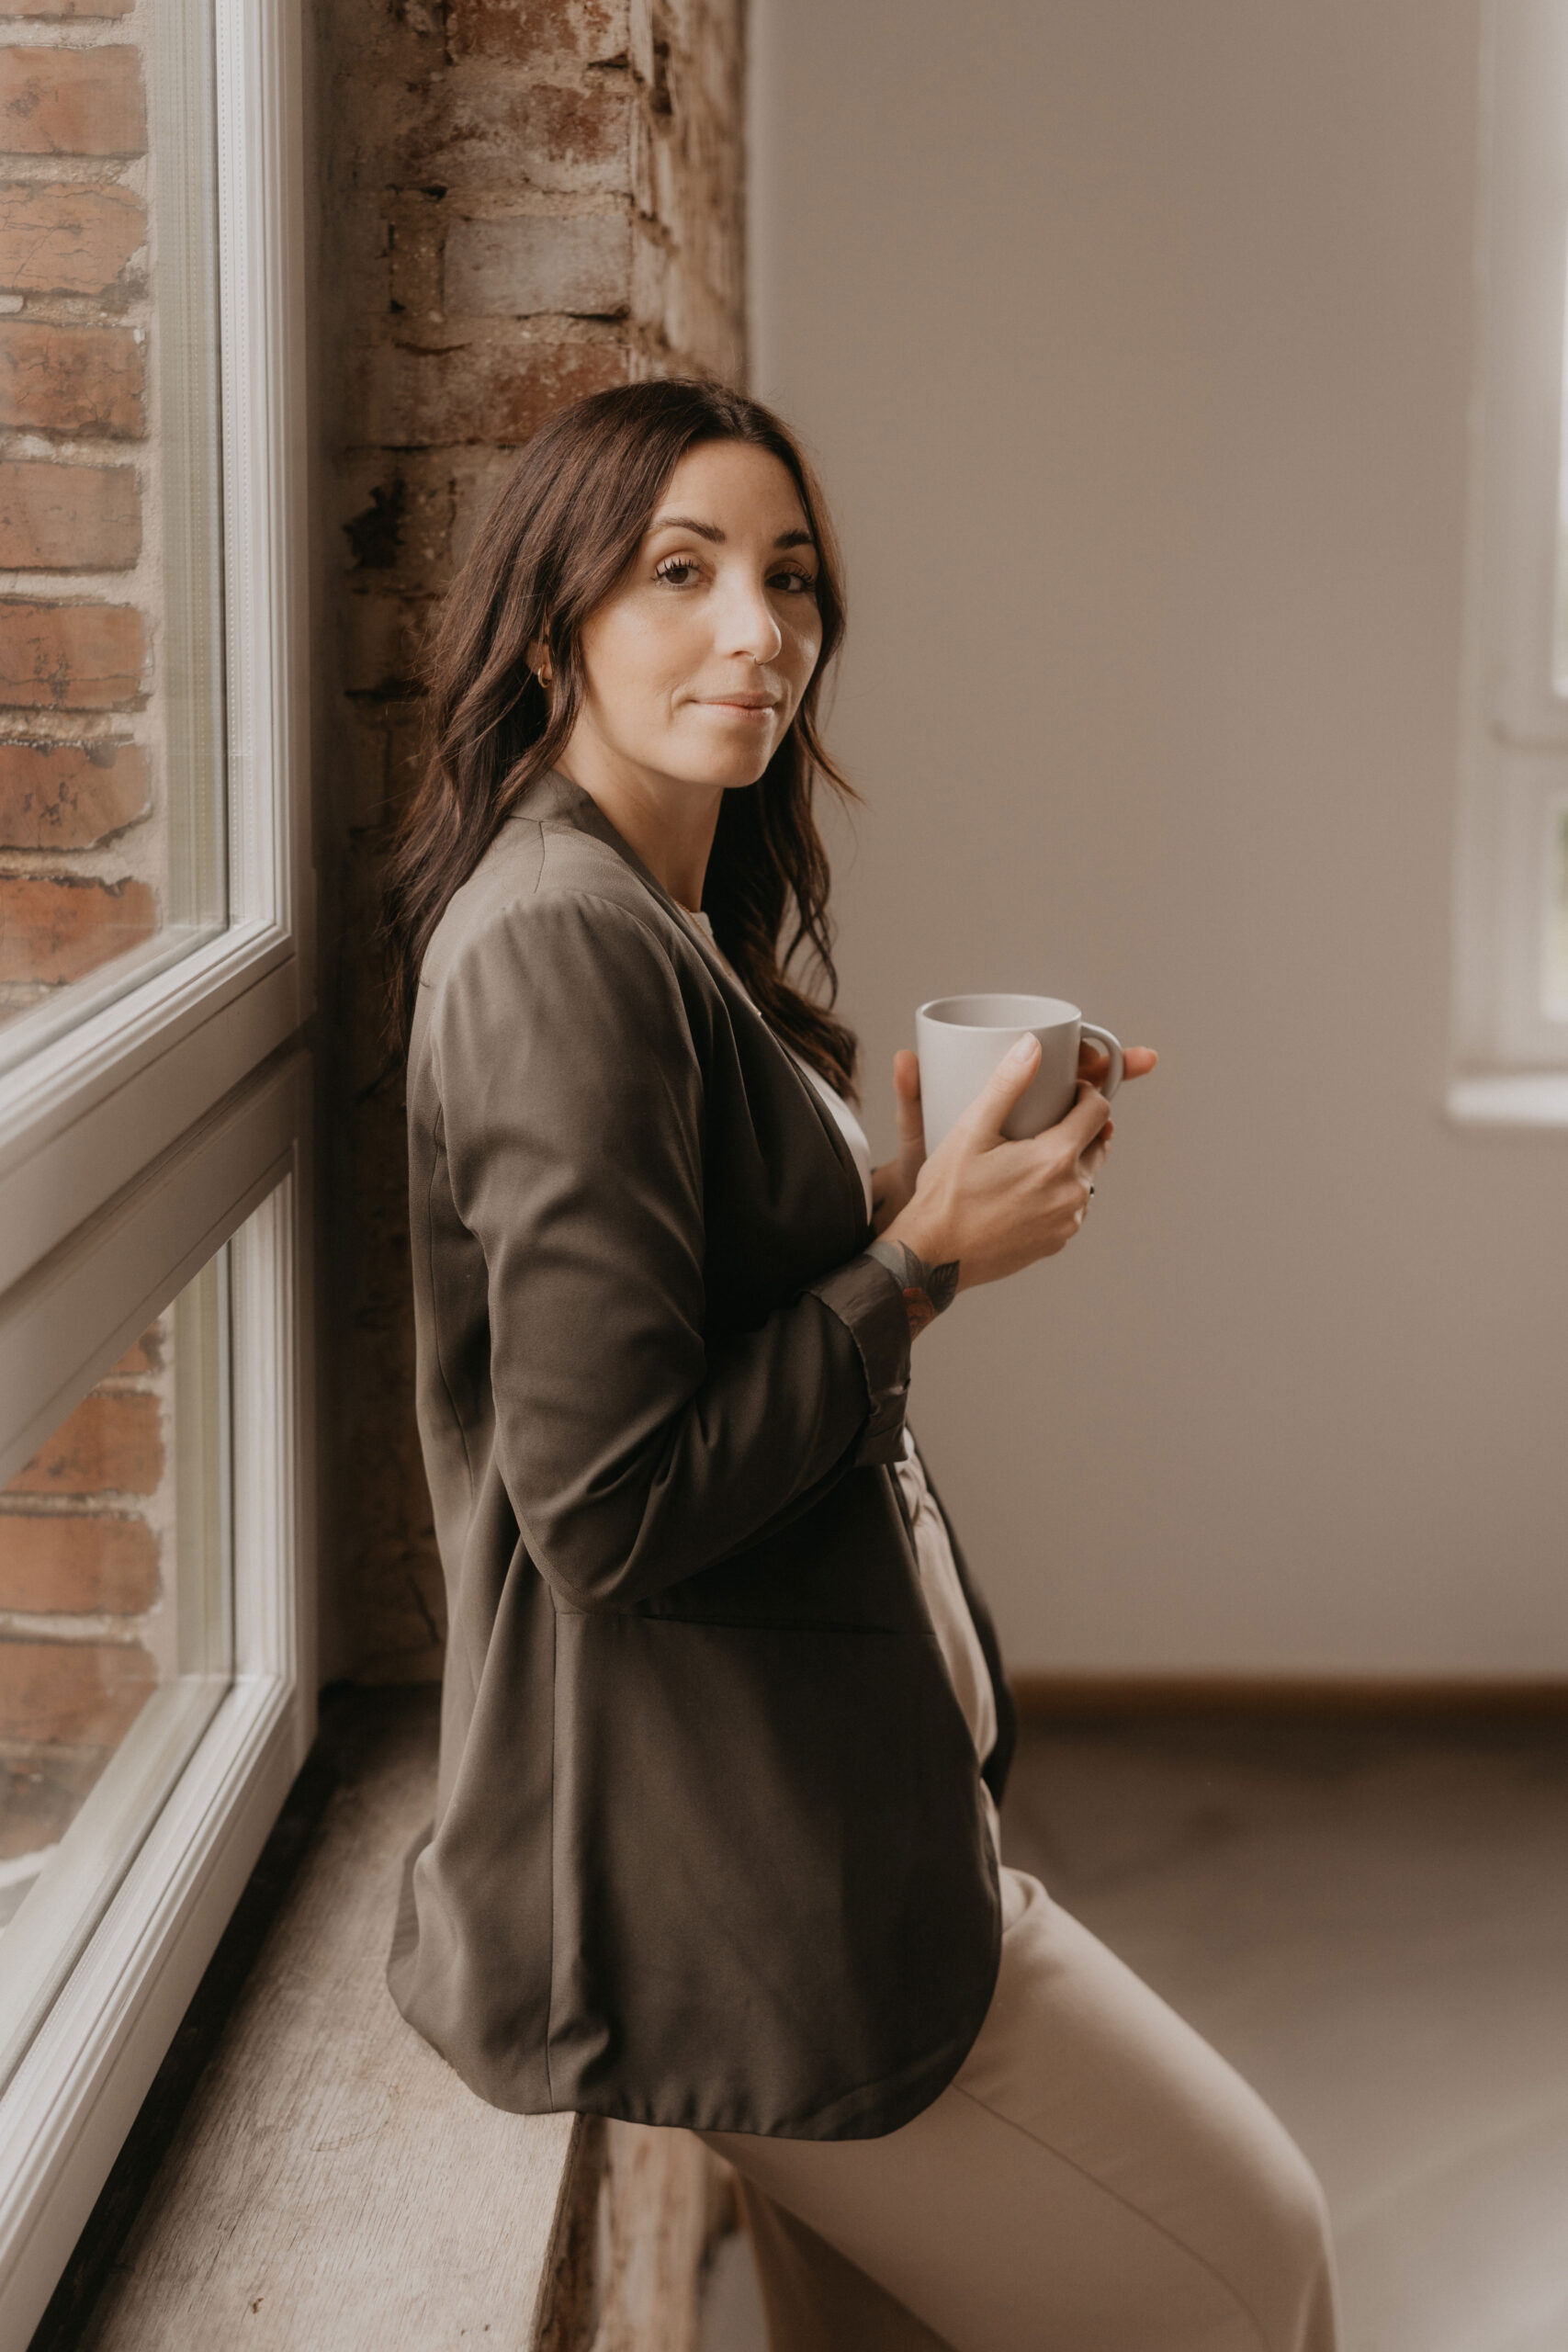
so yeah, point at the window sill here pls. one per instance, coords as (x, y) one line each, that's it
(1511, 1099)
(79, 2085)
(328, 2174)
(380, 2186)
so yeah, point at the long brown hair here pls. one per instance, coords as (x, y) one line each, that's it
(558, 539)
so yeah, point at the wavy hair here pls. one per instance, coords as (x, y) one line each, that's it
(560, 538)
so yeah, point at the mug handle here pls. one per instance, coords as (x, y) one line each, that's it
(1115, 1075)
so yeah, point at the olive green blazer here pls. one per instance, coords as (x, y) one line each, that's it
(709, 1847)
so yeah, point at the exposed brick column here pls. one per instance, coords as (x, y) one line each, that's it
(523, 200)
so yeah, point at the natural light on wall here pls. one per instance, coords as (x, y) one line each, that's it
(1556, 924)
(1510, 1028)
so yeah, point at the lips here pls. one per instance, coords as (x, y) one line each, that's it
(740, 702)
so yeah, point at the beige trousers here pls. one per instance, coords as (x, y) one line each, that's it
(1096, 2178)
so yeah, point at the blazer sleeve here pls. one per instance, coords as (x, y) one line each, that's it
(634, 1455)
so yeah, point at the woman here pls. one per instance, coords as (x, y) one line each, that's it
(724, 1723)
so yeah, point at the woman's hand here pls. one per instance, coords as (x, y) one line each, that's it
(982, 1205)
(1094, 1062)
(893, 1184)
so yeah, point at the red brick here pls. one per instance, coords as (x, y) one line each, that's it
(69, 656)
(109, 1445)
(412, 268)
(499, 393)
(481, 130)
(70, 380)
(585, 31)
(72, 102)
(145, 1355)
(72, 1566)
(385, 638)
(68, 795)
(515, 268)
(53, 930)
(56, 238)
(477, 477)
(40, 1797)
(69, 518)
(83, 1695)
(405, 752)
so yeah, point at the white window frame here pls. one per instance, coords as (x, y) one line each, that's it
(81, 1116)
(1509, 1062)
(131, 1147)
(67, 2108)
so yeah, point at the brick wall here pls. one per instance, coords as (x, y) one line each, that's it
(84, 1633)
(523, 200)
(81, 843)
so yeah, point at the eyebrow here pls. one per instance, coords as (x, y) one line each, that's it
(711, 532)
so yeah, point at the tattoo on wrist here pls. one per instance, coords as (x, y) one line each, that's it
(927, 1289)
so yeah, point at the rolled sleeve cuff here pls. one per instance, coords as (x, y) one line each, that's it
(866, 1297)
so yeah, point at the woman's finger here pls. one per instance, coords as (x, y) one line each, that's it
(1083, 1123)
(906, 1098)
(985, 1117)
(1094, 1061)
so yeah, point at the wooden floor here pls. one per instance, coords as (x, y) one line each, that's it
(1371, 1920)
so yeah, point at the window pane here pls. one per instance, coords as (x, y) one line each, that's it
(1557, 916)
(116, 1641)
(112, 859)
(1560, 615)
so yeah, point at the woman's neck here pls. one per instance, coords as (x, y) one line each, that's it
(671, 824)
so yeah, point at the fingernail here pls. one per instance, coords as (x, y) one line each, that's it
(1026, 1045)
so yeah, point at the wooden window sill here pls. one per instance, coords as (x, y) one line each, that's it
(332, 2181)
(1521, 1099)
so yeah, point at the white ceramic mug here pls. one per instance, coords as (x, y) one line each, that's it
(961, 1039)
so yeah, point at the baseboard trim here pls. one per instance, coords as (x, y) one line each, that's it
(1052, 1697)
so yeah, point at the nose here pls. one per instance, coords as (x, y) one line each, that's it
(747, 624)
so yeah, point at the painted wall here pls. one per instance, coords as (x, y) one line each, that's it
(1135, 345)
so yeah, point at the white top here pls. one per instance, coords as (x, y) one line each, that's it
(943, 1593)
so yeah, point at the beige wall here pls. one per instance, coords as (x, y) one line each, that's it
(1135, 342)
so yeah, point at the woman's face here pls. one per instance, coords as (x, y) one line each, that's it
(695, 665)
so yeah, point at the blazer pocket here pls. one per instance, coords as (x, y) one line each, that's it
(765, 1840)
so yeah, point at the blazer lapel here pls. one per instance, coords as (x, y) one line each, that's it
(552, 795)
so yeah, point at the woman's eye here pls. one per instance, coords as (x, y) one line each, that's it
(678, 570)
(799, 583)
